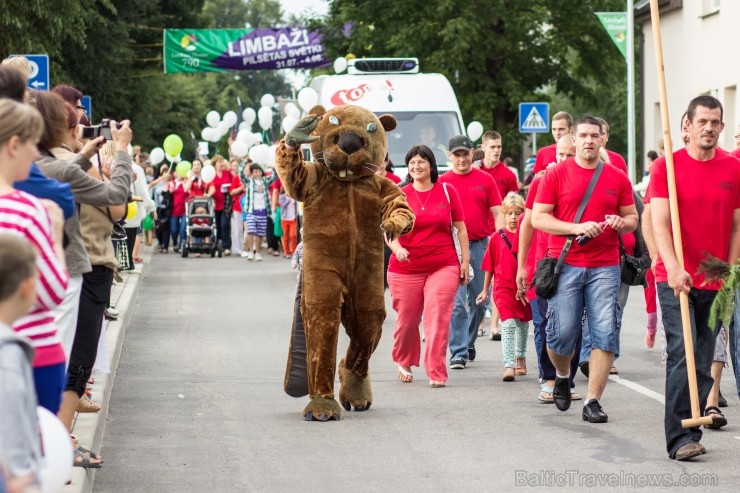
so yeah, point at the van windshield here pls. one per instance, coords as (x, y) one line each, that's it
(433, 129)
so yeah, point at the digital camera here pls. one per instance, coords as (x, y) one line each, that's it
(101, 130)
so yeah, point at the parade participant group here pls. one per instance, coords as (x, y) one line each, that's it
(478, 240)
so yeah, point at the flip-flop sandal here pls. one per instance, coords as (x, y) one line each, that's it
(481, 332)
(545, 395)
(575, 396)
(85, 460)
(718, 419)
(436, 385)
(405, 375)
(614, 371)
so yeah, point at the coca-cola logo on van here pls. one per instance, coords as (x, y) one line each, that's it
(346, 96)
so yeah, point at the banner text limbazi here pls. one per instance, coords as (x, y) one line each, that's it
(221, 50)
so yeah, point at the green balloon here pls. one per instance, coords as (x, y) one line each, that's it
(182, 169)
(172, 145)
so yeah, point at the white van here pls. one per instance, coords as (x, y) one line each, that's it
(424, 105)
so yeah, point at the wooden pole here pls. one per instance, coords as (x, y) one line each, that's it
(696, 417)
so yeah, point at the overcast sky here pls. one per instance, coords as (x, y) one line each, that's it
(299, 6)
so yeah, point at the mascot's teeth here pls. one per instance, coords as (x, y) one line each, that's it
(350, 173)
(343, 174)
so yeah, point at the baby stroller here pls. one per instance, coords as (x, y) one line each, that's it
(200, 229)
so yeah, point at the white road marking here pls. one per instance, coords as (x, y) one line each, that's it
(639, 388)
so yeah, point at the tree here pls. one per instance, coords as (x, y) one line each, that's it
(496, 53)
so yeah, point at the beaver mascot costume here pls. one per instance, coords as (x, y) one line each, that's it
(347, 209)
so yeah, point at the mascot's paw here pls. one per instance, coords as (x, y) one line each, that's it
(355, 392)
(301, 131)
(393, 227)
(322, 409)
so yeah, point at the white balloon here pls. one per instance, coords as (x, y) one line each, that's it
(264, 113)
(262, 153)
(244, 136)
(230, 118)
(288, 123)
(206, 134)
(253, 153)
(249, 115)
(267, 101)
(215, 134)
(169, 158)
(257, 138)
(208, 173)
(307, 98)
(57, 452)
(245, 126)
(292, 110)
(271, 158)
(156, 156)
(213, 118)
(340, 65)
(223, 128)
(239, 148)
(475, 130)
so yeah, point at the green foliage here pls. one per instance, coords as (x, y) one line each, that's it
(112, 51)
(496, 53)
(722, 307)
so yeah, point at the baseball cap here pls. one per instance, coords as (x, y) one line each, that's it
(460, 142)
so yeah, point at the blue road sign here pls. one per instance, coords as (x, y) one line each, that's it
(39, 77)
(87, 103)
(534, 118)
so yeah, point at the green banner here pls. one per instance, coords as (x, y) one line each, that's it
(221, 50)
(615, 24)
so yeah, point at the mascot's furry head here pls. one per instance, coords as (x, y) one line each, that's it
(352, 141)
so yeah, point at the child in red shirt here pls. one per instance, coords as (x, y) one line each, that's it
(500, 261)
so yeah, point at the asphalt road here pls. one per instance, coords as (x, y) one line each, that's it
(198, 406)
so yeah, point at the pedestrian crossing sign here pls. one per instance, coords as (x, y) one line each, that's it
(534, 118)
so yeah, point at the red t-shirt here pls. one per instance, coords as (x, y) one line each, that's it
(702, 187)
(478, 193)
(545, 156)
(564, 186)
(617, 161)
(538, 247)
(736, 153)
(505, 179)
(395, 179)
(430, 243)
(218, 195)
(198, 188)
(629, 242)
(236, 182)
(500, 261)
(179, 197)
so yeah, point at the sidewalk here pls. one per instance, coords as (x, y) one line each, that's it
(89, 427)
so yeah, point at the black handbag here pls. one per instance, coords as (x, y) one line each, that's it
(633, 269)
(547, 272)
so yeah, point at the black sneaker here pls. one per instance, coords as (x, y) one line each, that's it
(471, 354)
(561, 393)
(457, 364)
(593, 412)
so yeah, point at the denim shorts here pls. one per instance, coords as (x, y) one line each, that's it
(595, 289)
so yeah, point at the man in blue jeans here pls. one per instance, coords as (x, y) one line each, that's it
(706, 180)
(480, 198)
(589, 277)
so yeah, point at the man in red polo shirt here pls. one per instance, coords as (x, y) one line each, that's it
(562, 123)
(480, 198)
(706, 180)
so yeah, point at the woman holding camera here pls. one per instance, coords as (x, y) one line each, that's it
(96, 280)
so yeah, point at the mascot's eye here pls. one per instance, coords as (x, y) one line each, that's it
(334, 120)
(371, 127)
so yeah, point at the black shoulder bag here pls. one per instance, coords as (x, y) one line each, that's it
(508, 243)
(548, 269)
(634, 268)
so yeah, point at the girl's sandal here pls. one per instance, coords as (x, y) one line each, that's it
(405, 375)
(545, 395)
(83, 459)
(436, 385)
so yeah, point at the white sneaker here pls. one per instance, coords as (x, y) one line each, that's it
(250, 256)
(244, 254)
(258, 256)
(112, 311)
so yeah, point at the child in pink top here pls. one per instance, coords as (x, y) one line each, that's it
(500, 261)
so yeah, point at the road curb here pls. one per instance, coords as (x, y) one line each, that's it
(90, 427)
